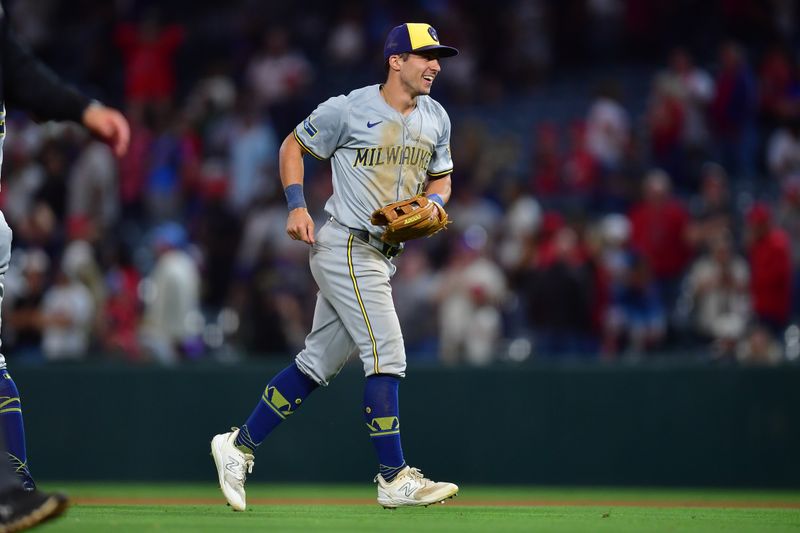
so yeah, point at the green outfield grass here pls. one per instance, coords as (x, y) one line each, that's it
(123, 508)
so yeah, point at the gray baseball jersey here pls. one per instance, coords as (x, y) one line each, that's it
(378, 156)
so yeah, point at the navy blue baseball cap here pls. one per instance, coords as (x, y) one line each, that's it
(413, 37)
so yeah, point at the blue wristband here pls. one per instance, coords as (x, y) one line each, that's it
(436, 198)
(294, 196)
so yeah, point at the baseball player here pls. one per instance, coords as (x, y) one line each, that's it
(386, 143)
(26, 83)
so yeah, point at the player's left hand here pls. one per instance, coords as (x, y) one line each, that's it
(110, 125)
(411, 218)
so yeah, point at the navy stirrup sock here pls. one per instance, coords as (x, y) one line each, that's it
(281, 398)
(382, 415)
(11, 420)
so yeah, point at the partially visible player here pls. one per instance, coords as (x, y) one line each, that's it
(386, 142)
(27, 84)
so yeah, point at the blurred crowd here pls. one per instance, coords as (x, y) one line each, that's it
(629, 224)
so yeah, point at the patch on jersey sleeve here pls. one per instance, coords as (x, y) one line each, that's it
(309, 127)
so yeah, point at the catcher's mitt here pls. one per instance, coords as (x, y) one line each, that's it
(410, 219)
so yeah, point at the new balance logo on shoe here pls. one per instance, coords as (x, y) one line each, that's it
(408, 489)
(234, 467)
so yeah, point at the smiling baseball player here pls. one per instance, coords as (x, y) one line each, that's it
(389, 147)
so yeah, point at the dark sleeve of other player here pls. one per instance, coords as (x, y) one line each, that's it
(30, 85)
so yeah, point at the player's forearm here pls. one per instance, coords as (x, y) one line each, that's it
(31, 85)
(441, 186)
(290, 162)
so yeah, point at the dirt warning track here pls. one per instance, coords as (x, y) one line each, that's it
(705, 504)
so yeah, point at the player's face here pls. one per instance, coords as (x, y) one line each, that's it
(418, 72)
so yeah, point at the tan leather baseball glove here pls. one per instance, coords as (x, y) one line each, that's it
(410, 219)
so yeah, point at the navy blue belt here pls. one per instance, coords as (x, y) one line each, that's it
(386, 249)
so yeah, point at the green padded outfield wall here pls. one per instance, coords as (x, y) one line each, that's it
(585, 424)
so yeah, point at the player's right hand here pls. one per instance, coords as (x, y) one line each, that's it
(299, 225)
(110, 125)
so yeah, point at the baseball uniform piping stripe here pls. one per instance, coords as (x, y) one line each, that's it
(360, 302)
(440, 174)
(306, 148)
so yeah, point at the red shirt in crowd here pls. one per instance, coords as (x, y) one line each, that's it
(149, 68)
(771, 276)
(659, 234)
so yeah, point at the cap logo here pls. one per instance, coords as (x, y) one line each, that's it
(412, 37)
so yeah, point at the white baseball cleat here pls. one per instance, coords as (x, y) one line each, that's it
(411, 488)
(233, 465)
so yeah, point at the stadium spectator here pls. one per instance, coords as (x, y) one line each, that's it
(530, 53)
(659, 225)
(122, 312)
(630, 312)
(771, 269)
(253, 147)
(66, 318)
(170, 329)
(696, 91)
(40, 228)
(93, 195)
(218, 232)
(559, 290)
(546, 162)
(53, 189)
(522, 220)
(414, 288)
(173, 175)
(580, 169)
(733, 112)
(79, 264)
(134, 167)
(278, 74)
(148, 48)
(347, 42)
(779, 99)
(783, 151)
(606, 19)
(718, 287)
(268, 311)
(759, 347)
(608, 128)
(712, 211)
(636, 321)
(666, 117)
(21, 155)
(471, 294)
(468, 208)
(789, 220)
(209, 106)
(22, 335)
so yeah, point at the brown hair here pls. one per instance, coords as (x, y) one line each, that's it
(404, 55)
